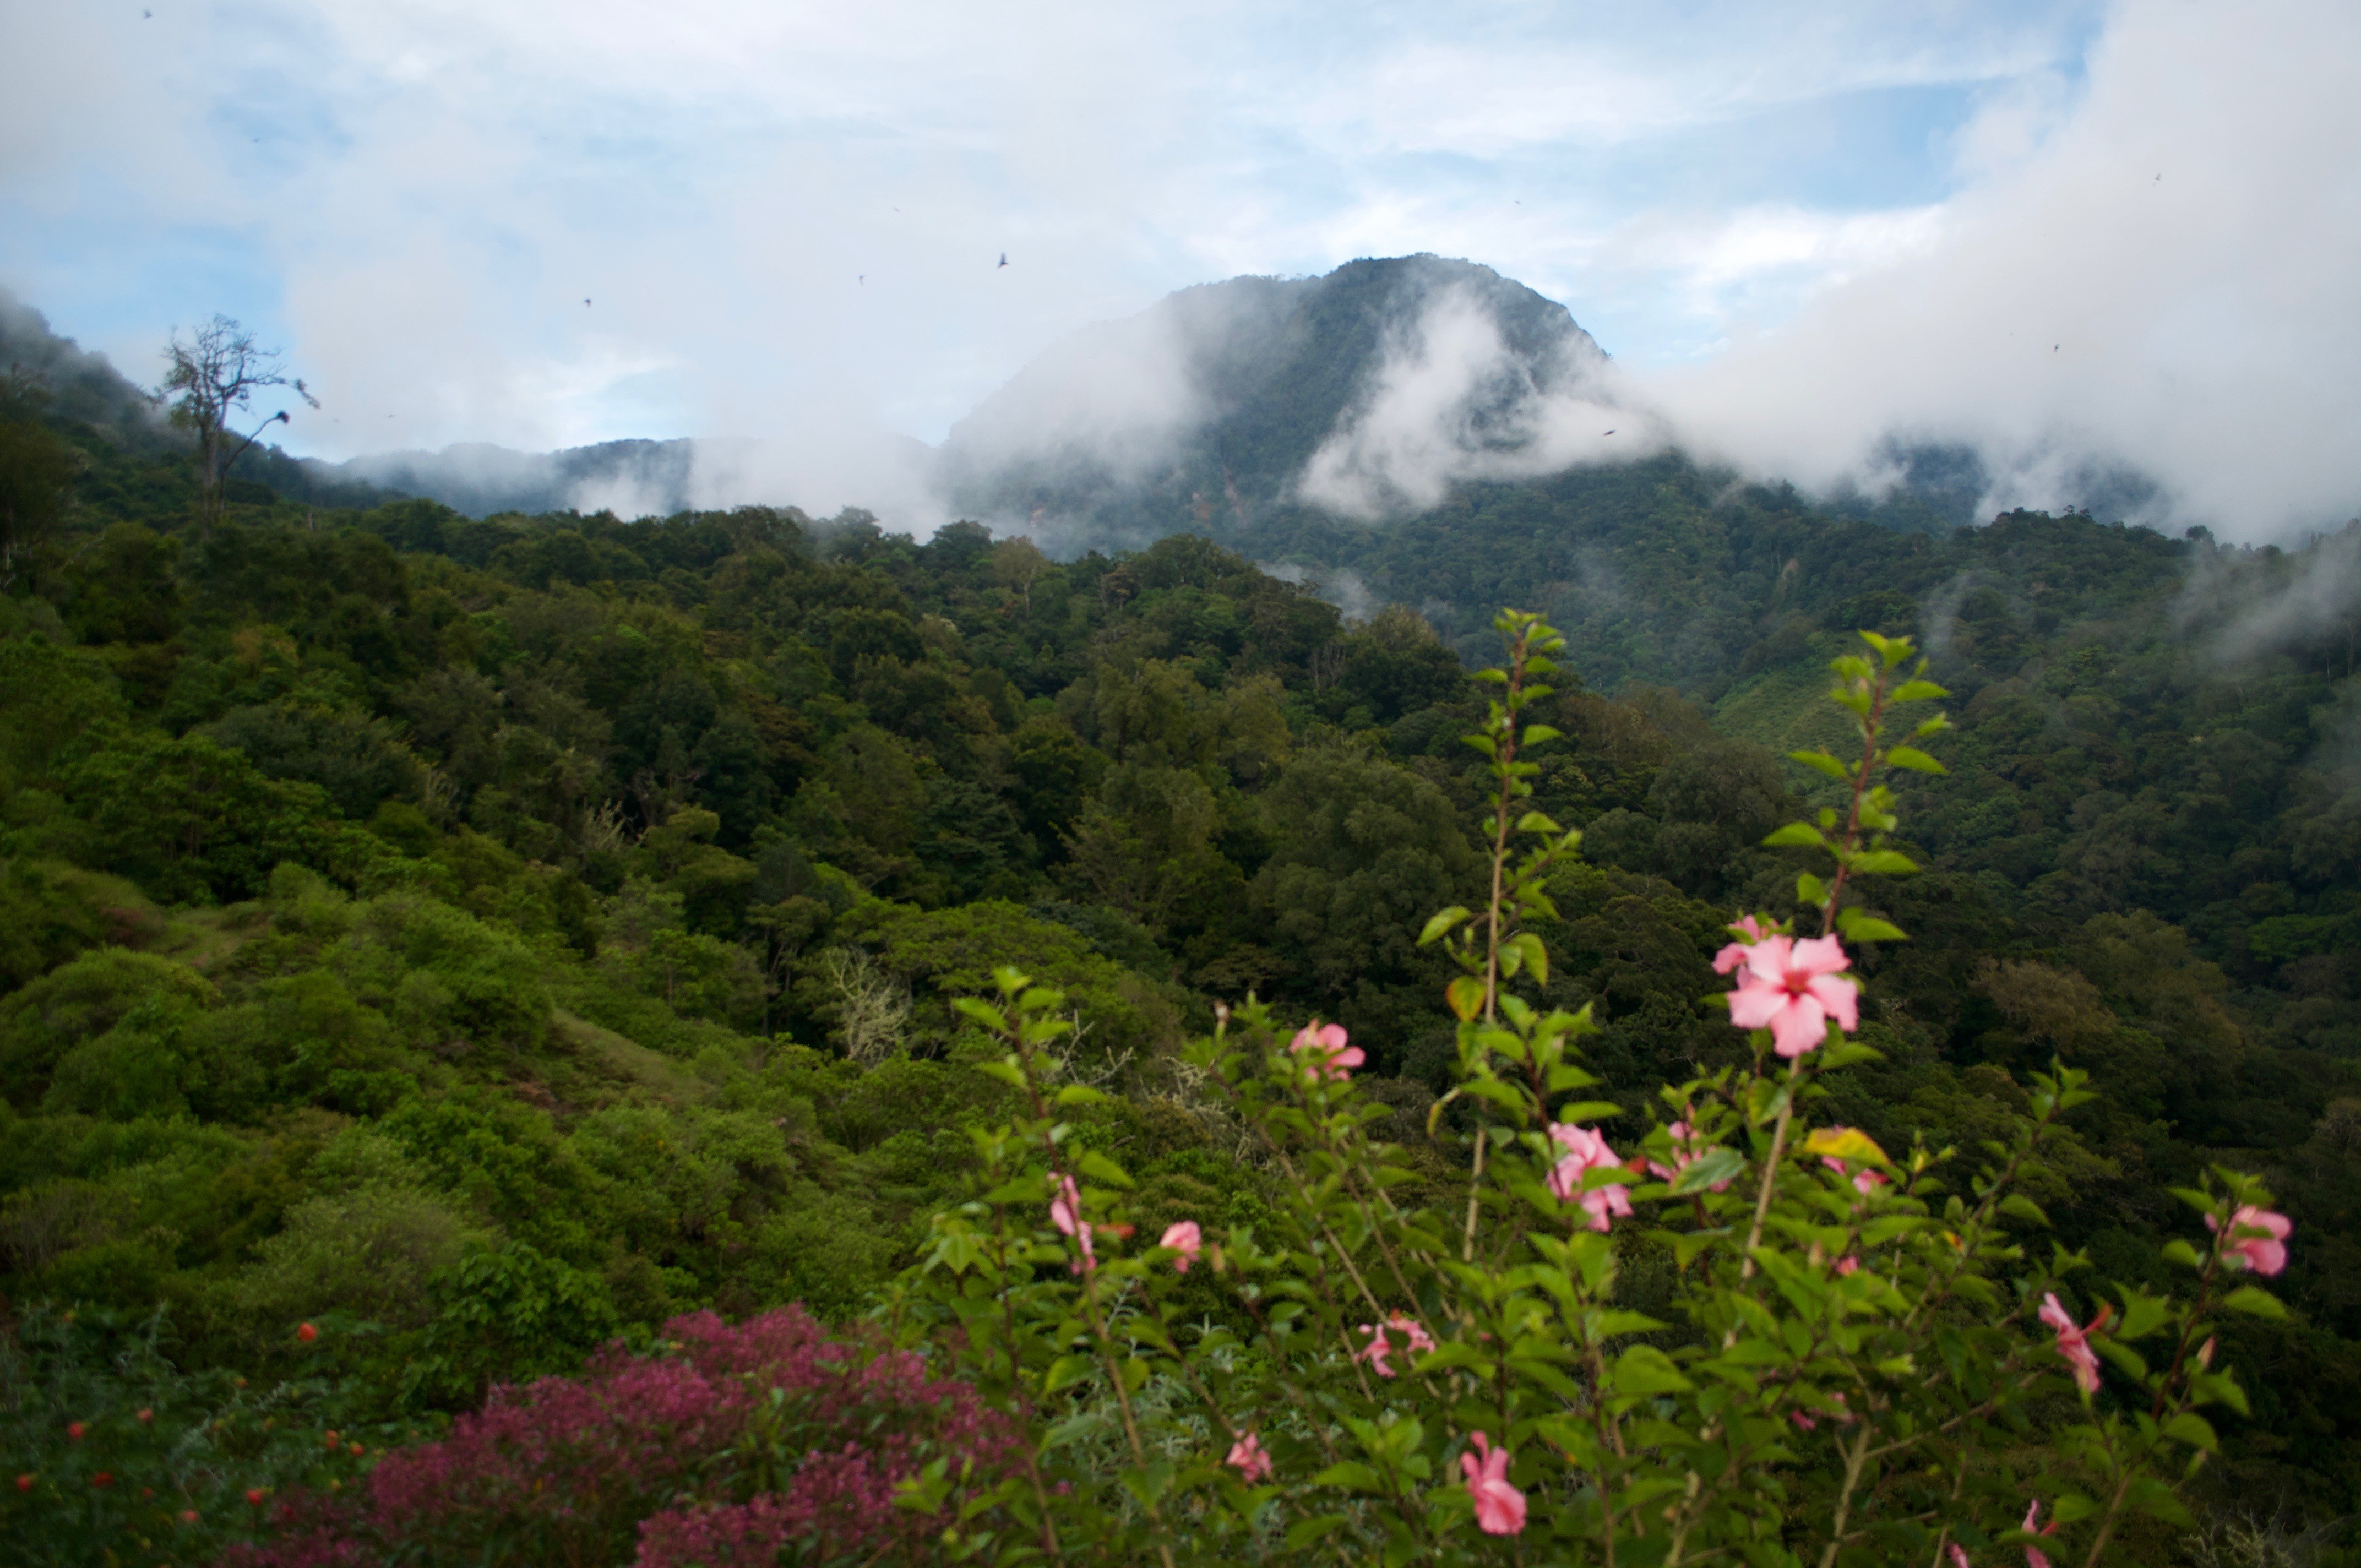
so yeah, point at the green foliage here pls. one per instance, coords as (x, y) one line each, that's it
(616, 883)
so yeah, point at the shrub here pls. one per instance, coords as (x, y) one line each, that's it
(726, 1445)
(1731, 1335)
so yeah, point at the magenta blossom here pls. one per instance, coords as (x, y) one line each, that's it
(1248, 1460)
(1411, 1331)
(2073, 1343)
(1864, 1180)
(1185, 1239)
(1499, 1507)
(1749, 931)
(2257, 1239)
(1066, 1213)
(2034, 1556)
(1793, 989)
(1959, 1556)
(1322, 1047)
(1586, 1151)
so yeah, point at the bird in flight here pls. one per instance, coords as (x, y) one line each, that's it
(1004, 260)
(147, 15)
(1610, 433)
(2053, 348)
(586, 301)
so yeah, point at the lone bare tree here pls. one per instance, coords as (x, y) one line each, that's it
(207, 380)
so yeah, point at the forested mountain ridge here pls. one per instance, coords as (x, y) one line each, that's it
(1208, 408)
(500, 934)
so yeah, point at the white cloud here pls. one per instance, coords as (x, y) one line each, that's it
(2078, 307)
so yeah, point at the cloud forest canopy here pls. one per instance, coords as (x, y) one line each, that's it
(482, 940)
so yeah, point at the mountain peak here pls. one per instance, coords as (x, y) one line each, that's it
(1230, 396)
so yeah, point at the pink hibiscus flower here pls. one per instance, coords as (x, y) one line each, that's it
(1413, 1333)
(1499, 1507)
(1066, 1213)
(1793, 989)
(1749, 931)
(1185, 1239)
(1323, 1048)
(1586, 1151)
(1864, 1180)
(2073, 1343)
(2034, 1556)
(2257, 1239)
(1248, 1460)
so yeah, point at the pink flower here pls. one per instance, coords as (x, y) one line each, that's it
(1959, 1556)
(1793, 989)
(1411, 1331)
(1848, 1265)
(1750, 931)
(1687, 1149)
(2075, 1344)
(2257, 1239)
(1066, 1213)
(2034, 1556)
(1330, 1057)
(1248, 1460)
(1864, 1180)
(1586, 1151)
(1185, 1239)
(1499, 1507)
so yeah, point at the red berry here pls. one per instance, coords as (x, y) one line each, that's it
(307, 1333)
(24, 1483)
(74, 1430)
(254, 1495)
(104, 1478)
(333, 1438)
(147, 1416)
(356, 1450)
(188, 1516)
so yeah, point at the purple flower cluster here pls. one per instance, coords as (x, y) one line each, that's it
(737, 1444)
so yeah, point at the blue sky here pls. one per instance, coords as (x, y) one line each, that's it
(789, 216)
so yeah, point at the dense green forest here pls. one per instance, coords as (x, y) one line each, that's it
(483, 939)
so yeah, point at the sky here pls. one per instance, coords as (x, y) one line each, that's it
(2070, 233)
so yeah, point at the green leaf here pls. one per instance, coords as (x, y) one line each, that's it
(1824, 762)
(2193, 1430)
(983, 1012)
(1303, 1532)
(1008, 1072)
(1883, 862)
(1917, 760)
(1098, 1168)
(2019, 1206)
(1795, 833)
(1465, 995)
(1079, 1094)
(1537, 733)
(1066, 1371)
(1644, 1370)
(1442, 924)
(2254, 1303)
(1859, 927)
(1351, 1475)
(1714, 1166)
(1917, 691)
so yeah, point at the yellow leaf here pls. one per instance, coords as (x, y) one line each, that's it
(1848, 1144)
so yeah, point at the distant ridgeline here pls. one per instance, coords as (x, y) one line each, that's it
(507, 933)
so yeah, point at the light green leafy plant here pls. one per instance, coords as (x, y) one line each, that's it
(1864, 1356)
